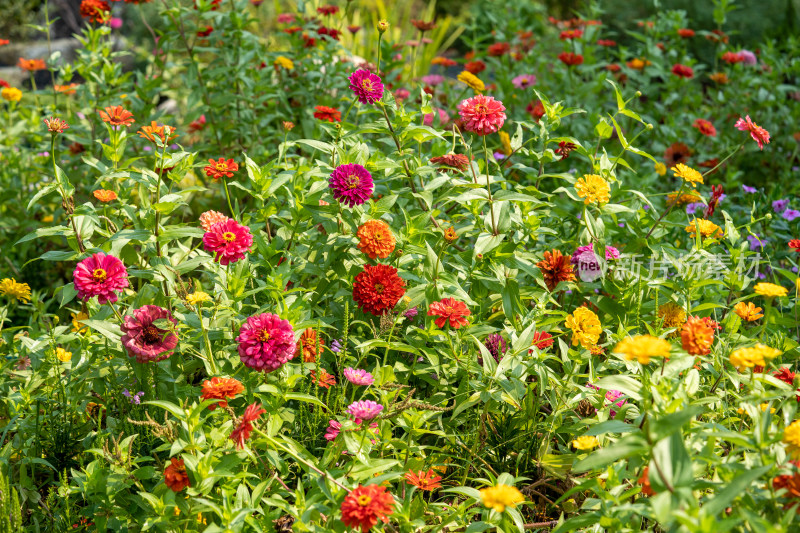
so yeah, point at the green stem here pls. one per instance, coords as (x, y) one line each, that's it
(228, 196)
(489, 186)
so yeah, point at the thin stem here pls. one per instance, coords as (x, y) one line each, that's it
(489, 187)
(228, 196)
(667, 212)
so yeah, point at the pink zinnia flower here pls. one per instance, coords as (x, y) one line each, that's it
(367, 86)
(759, 134)
(612, 396)
(444, 118)
(432, 79)
(333, 430)
(286, 18)
(266, 342)
(242, 431)
(143, 340)
(351, 184)
(611, 252)
(228, 241)
(209, 218)
(365, 409)
(401, 94)
(358, 376)
(523, 81)
(100, 275)
(481, 114)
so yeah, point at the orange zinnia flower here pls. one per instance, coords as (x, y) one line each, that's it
(105, 195)
(697, 336)
(175, 476)
(644, 481)
(31, 65)
(748, 311)
(424, 480)
(218, 388)
(66, 89)
(95, 10)
(310, 345)
(221, 168)
(449, 310)
(555, 268)
(117, 116)
(164, 133)
(705, 127)
(375, 239)
(323, 379)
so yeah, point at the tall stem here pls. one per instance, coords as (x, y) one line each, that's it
(489, 187)
(228, 196)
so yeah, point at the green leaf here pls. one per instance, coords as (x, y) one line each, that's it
(630, 445)
(734, 489)
(625, 384)
(45, 232)
(105, 328)
(667, 425)
(301, 397)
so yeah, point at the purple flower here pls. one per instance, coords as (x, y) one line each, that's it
(432, 79)
(351, 184)
(780, 205)
(523, 81)
(411, 313)
(755, 242)
(749, 57)
(367, 86)
(791, 214)
(496, 345)
(499, 155)
(336, 345)
(134, 398)
(693, 207)
(358, 377)
(365, 409)
(747, 189)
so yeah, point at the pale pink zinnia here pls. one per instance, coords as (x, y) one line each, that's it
(482, 114)
(209, 218)
(358, 376)
(364, 409)
(266, 342)
(228, 241)
(143, 339)
(100, 275)
(759, 134)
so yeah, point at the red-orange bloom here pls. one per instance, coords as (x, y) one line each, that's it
(218, 388)
(449, 310)
(732, 58)
(475, 67)
(683, 71)
(555, 268)
(378, 288)
(644, 481)
(31, 65)
(164, 133)
(117, 116)
(310, 345)
(242, 431)
(686, 33)
(570, 59)
(175, 476)
(66, 89)
(443, 61)
(95, 10)
(498, 49)
(323, 379)
(790, 482)
(451, 162)
(697, 336)
(364, 506)
(328, 114)
(705, 127)
(104, 195)
(221, 168)
(795, 245)
(570, 34)
(677, 153)
(375, 239)
(4, 42)
(424, 480)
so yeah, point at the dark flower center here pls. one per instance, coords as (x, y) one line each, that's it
(379, 288)
(99, 275)
(228, 236)
(263, 335)
(151, 334)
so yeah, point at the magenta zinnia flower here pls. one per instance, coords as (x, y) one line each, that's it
(611, 252)
(759, 134)
(228, 241)
(333, 430)
(266, 342)
(367, 86)
(358, 376)
(100, 275)
(481, 114)
(351, 184)
(143, 340)
(365, 409)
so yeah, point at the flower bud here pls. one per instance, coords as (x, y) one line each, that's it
(383, 25)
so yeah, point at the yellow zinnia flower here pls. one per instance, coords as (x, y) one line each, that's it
(472, 81)
(643, 347)
(748, 311)
(197, 297)
(770, 289)
(500, 497)
(14, 290)
(661, 169)
(594, 189)
(791, 436)
(63, 355)
(585, 326)
(585, 443)
(11, 94)
(505, 142)
(76, 325)
(672, 315)
(688, 174)
(284, 62)
(706, 228)
(745, 358)
(685, 198)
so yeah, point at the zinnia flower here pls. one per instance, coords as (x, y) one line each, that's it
(367, 86)
(705, 127)
(310, 345)
(523, 81)
(496, 345)
(209, 218)
(555, 268)
(358, 377)
(228, 241)
(323, 378)
(15, 291)
(475, 67)
(642, 348)
(56, 125)
(144, 340)
(759, 134)
(481, 114)
(100, 275)
(221, 168)
(585, 442)
(11, 94)
(585, 326)
(377, 289)
(351, 184)
(471, 80)
(706, 228)
(686, 33)
(32, 65)
(697, 336)
(175, 476)
(364, 506)
(375, 239)
(498, 49)
(218, 388)
(644, 481)
(117, 116)
(245, 426)
(104, 195)
(770, 290)
(266, 342)
(458, 162)
(95, 10)
(753, 356)
(794, 244)
(677, 153)
(536, 111)
(333, 430)
(364, 409)
(501, 496)
(450, 311)
(594, 189)
(327, 114)
(283, 62)
(63, 355)
(688, 174)
(683, 71)
(748, 311)
(672, 315)
(791, 436)
(424, 480)
(542, 340)
(570, 59)
(154, 131)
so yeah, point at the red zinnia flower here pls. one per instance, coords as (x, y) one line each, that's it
(95, 10)
(536, 111)
(570, 59)
(175, 476)
(452, 162)
(475, 67)
(328, 114)
(364, 506)
(606, 42)
(105, 195)
(242, 431)
(205, 32)
(795, 245)
(498, 49)
(450, 311)
(228, 241)
(424, 480)
(197, 125)
(327, 10)
(444, 61)
(378, 288)
(686, 33)
(221, 168)
(144, 340)
(570, 34)
(218, 388)
(542, 340)
(733, 58)
(31, 65)
(564, 148)
(683, 71)
(555, 268)
(759, 134)
(705, 127)
(4, 42)
(323, 379)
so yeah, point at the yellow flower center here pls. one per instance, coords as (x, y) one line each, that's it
(263, 335)
(364, 500)
(379, 288)
(351, 181)
(221, 166)
(481, 108)
(99, 275)
(366, 84)
(229, 236)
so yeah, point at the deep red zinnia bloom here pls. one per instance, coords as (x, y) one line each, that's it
(733, 58)
(228, 241)
(683, 71)
(245, 426)
(175, 476)
(100, 275)
(328, 114)
(327, 10)
(606, 42)
(498, 49)
(570, 59)
(378, 288)
(367, 86)
(795, 245)
(542, 340)
(351, 184)
(564, 148)
(475, 67)
(759, 134)
(705, 127)
(570, 34)
(536, 111)
(482, 114)
(364, 506)
(266, 342)
(221, 168)
(144, 340)
(787, 376)
(450, 311)
(117, 116)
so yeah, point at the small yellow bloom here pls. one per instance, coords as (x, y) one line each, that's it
(770, 290)
(706, 228)
(197, 297)
(745, 358)
(76, 325)
(585, 443)
(14, 291)
(594, 189)
(791, 436)
(689, 175)
(642, 348)
(585, 326)
(382, 26)
(63, 355)
(47, 219)
(685, 198)
(284, 62)
(500, 497)
(11, 94)
(472, 81)
(505, 142)
(661, 169)
(764, 406)
(748, 311)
